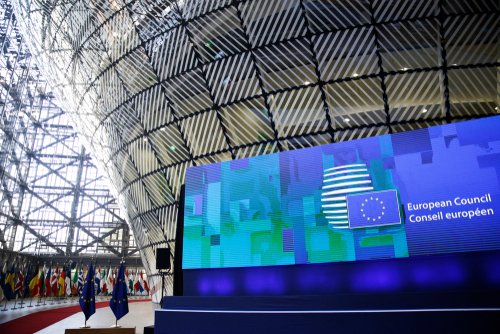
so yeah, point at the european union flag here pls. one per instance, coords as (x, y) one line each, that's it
(119, 301)
(87, 297)
(372, 209)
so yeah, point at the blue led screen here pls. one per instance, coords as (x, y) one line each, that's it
(422, 192)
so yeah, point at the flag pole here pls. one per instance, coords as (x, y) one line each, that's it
(5, 306)
(85, 324)
(117, 286)
(116, 324)
(15, 301)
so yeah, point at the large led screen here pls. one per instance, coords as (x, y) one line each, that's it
(422, 192)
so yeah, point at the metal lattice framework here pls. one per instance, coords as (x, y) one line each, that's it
(53, 200)
(157, 86)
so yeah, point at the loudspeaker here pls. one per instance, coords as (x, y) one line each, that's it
(163, 258)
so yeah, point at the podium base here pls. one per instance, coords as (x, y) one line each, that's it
(109, 330)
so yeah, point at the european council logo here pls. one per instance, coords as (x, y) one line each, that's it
(348, 199)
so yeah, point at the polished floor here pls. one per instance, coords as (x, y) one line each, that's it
(140, 315)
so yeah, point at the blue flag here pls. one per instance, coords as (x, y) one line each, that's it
(2, 280)
(8, 289)
(375, 208)
(30, 273)
(119, 301)
(87, 297)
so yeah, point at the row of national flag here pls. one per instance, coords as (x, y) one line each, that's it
(25, 282)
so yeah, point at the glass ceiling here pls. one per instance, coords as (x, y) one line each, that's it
(53, 200)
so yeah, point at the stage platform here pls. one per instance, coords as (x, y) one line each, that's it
(352, 313)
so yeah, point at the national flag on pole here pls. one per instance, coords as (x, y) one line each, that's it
(137, 285)
(109, 280)
(104, 285)
(74, 282)
(53, 282)
(119, 301)
(87, 297)
(9, 283)
(47, 283)
(2, 280)
(62, 284)
(41, 282)
(34, 285)
(75, 276)
(67, 282)
(130, 282)
(144, 283)
(30, 273)
(18, 289)
(80, 281)
(98, 281)
(127, 280)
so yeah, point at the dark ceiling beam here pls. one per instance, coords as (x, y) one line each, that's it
(74, 204)
(98, 239)
(93, 236)
(95, 209)
(55, 142)
(93, 242)
(103, 207)
(46, 236)
(36, 234)
(81, 190)
(48, 203)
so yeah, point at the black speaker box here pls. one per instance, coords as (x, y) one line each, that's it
(163, 258)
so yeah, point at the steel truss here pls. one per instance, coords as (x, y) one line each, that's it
(53, 201)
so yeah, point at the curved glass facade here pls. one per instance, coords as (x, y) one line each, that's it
(157, 86)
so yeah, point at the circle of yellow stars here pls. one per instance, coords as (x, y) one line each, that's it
(91, 299)
(114, 300)
(369, 201)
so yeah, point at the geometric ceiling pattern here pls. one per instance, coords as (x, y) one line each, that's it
(156, 86)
